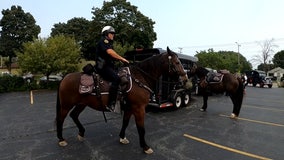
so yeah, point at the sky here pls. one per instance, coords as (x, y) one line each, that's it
(185, 26)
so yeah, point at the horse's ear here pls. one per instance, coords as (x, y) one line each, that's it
(169, 51)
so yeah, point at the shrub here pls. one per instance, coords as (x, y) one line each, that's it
(9, 83)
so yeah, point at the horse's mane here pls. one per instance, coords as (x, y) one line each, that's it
(149, 63)
(201, 71)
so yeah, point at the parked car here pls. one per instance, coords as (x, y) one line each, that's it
(5, 73)
(51, 78)
(266, 81)
(255, 77)
(28, 77)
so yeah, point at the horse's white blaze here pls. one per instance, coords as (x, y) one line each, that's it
(63, 143)
(124, 140)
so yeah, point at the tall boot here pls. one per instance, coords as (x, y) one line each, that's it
(112, 99)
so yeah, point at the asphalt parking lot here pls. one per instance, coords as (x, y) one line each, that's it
(27, 130)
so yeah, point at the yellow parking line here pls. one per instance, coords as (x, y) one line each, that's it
(226, 148)
(256, 121)
(270, 109)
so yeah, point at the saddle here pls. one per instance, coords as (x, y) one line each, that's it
(213, 77)
(92, 83)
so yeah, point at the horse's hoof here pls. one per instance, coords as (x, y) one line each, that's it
(62, 143)
(80, 138)
(148, 151)
(202, 110)
(124, 140)
(233, 116)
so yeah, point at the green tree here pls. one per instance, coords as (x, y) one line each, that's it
(76, 27)
(263, 67)
(17, 27)
(132, 27)
(278, 59)
(222, 60)
(52, 55)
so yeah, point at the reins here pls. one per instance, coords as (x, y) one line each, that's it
(140, 84)
(148, 75)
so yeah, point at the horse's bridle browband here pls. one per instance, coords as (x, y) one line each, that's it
(171, 64)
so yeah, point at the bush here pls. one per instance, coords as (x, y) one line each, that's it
(9, 83)
(49, 85)
(12, 83)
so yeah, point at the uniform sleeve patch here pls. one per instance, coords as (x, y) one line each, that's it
(106, 41)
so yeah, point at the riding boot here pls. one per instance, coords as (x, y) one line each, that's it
(112, 99)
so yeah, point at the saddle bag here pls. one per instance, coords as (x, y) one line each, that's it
(86, 84)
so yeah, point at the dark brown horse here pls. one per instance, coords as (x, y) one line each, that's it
(229, 83)
(144, 74)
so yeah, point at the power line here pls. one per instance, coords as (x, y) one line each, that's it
(230, 44)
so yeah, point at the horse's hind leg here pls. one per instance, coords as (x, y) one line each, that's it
(59, 126)
(139, 119)
(236, 108)
(205, 99)
(75, 116)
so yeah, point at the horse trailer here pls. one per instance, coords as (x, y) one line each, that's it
(168, 91)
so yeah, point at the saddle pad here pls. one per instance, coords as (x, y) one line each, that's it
(86, 84)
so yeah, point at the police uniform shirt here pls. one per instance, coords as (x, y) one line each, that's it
(103, 45)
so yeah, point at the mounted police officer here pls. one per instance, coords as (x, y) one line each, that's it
(105, 57)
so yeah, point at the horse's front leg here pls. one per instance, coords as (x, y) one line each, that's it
(139, 119)
(125, 122)
(74, 115)
(205, 99)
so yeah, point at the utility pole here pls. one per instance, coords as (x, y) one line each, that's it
(180, 49)
(238, 53)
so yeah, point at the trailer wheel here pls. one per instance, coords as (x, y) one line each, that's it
(178, 101)
(186, 99)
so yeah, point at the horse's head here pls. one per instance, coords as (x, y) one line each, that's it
(175, 66)
(192, 70)
(198, 71)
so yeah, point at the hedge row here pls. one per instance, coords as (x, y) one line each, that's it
(10, 83)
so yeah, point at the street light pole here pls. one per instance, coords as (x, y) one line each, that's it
(238, 53)
(238, 56)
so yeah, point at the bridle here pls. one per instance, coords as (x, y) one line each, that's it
(171, 65)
